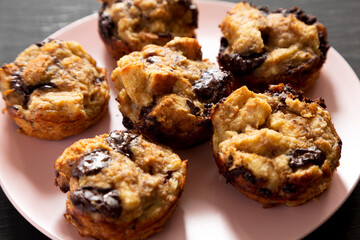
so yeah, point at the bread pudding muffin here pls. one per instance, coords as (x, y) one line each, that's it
(167, 92)
(121, 186)
(275, 147)
(54, 89)
(129, 25)
(262, 47)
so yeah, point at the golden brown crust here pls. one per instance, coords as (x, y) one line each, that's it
(121, 186)
(54, 90)
(127, 26)
(262, 47)
(277, 147)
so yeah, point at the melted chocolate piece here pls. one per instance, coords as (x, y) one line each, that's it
(239, 63)
(303, 157)
(103, 201)
(19, 87)
(24, 91)
(213, 85)
(120, 141)
(91, 163)
(240, 171)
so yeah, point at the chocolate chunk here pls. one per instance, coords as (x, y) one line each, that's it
(120, 141)
(127, 123)
(240, 171)
(213, 85)
(103, 201)
(164, 34)
(20, 87)
(239, 63)
(24, 91)
(289, 188)
(106, 25)
(303, 157)
(264, 192)
(91, 163)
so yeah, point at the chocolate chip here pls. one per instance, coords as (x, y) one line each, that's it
(44, 87)
(42, 43)
(91, 163)
(151, 59)
(145, 111)
(65, 188)
(120, 141)
(106, 25)
(300, 14)
(127, 123)
(229, 162)
(98, 81)
(289, 188)
(20, 87)
(195, 110)
(239, 63)
(240, 171)
(340, 143)
(302, 157)
(324, 45)
(164, 34)
(169, 174)
(103, 201)
(283, 91)
(321, 102)
(213, 85)
(264, 9)
(264, 192)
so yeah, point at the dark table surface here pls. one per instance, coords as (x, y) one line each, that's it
(25, 22)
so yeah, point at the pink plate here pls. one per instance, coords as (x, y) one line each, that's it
(209, 208)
